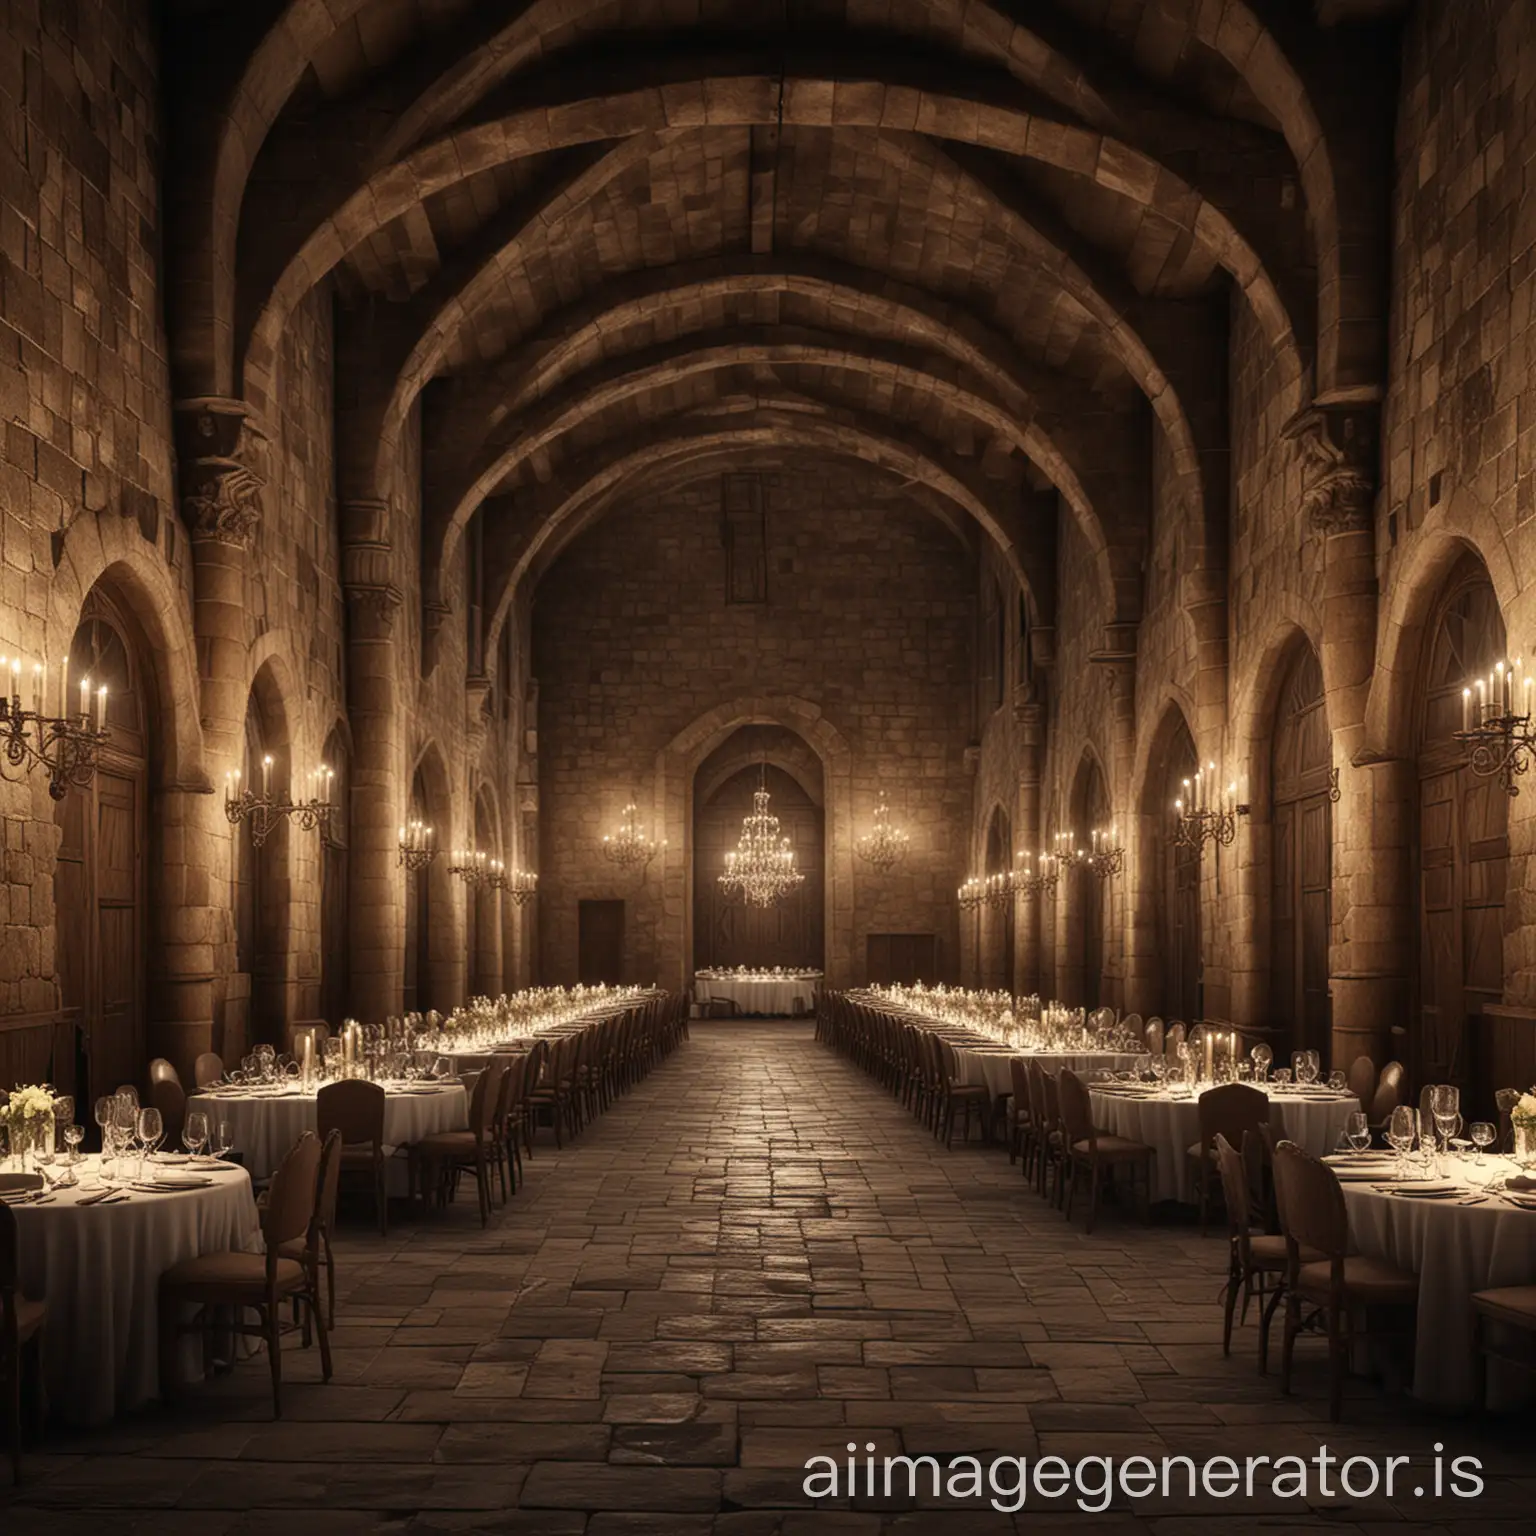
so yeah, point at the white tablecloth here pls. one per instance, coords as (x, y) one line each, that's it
(266, 1127)
(1454, 1250)
(991, 1069)
(1172, 1127)
(776, 995)
(99, 1267)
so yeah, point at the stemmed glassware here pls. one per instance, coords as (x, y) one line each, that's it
(1261, 1056)
(1483, 1135)
(151, 1130)
(1357, 1130)
(1401, 1130)
(194, 1133)
(1445, 1107)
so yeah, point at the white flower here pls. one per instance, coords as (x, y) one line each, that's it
(1525, 1110)
(30, 1102)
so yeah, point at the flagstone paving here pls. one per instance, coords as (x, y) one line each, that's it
(754, 1258)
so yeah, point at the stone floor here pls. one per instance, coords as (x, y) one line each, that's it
(754, 1258)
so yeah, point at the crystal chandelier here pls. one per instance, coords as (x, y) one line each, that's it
(884, 845)
(630, 847)
(760, 870)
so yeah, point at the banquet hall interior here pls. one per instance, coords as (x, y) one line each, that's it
(744, 741)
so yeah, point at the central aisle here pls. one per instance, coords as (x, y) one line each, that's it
(755, 1256)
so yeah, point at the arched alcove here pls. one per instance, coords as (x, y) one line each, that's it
(1089, 895)
(1167, 890)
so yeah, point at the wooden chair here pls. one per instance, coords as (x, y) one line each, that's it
(166, 1095)
(1361, 1081)
(208, 1068)
(444, 1155)
(1233, 1110)
(1388, 1095)
(1257, 1261)
(21, 1326)
(163, 1071)
(1499, 1316)
(1021, 1123)
(1053, 1178)
(238, 1283)
(1320, 1294)
(314, 1249)
(964, 1095)
(513, 1066)
(355, 1108)
(1085, 1147)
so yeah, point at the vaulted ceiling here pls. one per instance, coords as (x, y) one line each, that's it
(987, 248)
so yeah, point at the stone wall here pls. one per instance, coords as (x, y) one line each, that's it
(868, 621)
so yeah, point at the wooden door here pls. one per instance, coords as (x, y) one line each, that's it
(1301, 890)
(1179, 909)
(600, 941)
(900, 959)
(99, 885)
(1463, 852)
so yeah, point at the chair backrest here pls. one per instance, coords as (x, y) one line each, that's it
(1362, 1080)
(163, 1071)
(291, 1196)
(1234, 1191)
(10, 1265)
(1311, 1201)
(1034, 1076)
(166, 1095)
(1076, 1111)
(1018, 1079)
(1232, 1110)
(487, 1095)
(1389, 1092)
(355, 1108)
(327, 1182)
(1153, 1035)
(208, 1068)
(1051, 1093)
(511, 1079)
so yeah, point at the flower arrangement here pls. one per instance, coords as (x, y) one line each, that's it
(31, 1103)
(1523, 1119)
(30, 1111)
(1524, 1112)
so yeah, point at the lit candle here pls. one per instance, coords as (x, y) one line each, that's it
(37, 687)
(85, 697)
(266, 776)
(1466, 707)
(101, 707)
(64, 688)
(16, 679)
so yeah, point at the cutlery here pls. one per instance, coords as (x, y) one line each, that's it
(1473, 1200)
(97, 1198)
(116, 1197)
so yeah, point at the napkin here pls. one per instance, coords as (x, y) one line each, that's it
(1519, 1181)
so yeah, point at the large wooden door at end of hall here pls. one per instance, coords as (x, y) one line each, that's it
(600, 942)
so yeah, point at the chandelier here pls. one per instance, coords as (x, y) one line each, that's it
(1496, 724)
(760, 870)
(884, 845)
(1107, 856)
(416, 845)
(630, 847)
(1205, 813)
(995, 890)
(520, 885)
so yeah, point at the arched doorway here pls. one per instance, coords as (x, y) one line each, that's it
(1301, 866)
(1178, 907)
(997, 949)
(418, 911)
(727, 932)
(335, 951)
(484, 910)
(1463, 835)
(256, 1004)
(1090, 893)
(100, 898)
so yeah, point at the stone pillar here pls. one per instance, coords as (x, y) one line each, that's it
(1371, 946)
(220, 449)
(375, 704)
(1029, 717)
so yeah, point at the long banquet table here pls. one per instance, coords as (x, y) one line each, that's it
(99, 1267)
(1454, 1249)
(989, 1066)
(1171, 1125)
(768, 995)
(265, 1124)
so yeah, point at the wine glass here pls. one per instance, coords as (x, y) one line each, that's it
(194, 1133)
(151, 1131)
(1337, 1081)
(1261, 1056)
(1282, 1077)
(1483, 1136)
(102, 1114)
(1445, 1107)
(223, 1138)
(1401, 1129)
(1357, 1130)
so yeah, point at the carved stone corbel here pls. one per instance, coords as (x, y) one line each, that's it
(1336, 445)
(221, 456)
(373, 611)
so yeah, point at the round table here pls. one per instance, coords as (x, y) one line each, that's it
(990, 1066)
(769, 995)
(1455, 1250)
(266, 1125)
(99, 1267)
(1172, 1126)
